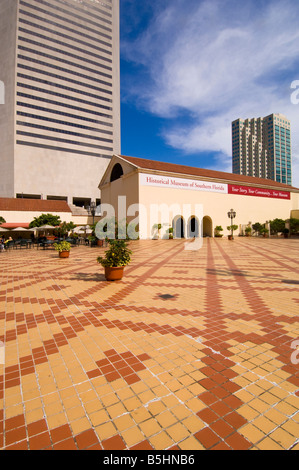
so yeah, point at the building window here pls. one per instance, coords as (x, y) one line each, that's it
(117, 172)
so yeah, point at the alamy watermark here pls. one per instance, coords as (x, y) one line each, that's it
(152, 221)
(2, 93)
(295, 94)
(295, 354)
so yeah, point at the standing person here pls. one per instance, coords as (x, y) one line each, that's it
(2, 243)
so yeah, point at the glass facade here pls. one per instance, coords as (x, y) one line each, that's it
(262, 148)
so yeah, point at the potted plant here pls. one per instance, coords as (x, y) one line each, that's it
(63, 249)
(257, 227)
(231, 228)
(248, 231)
(157, 227)
(92, 240)
(170, 233)
(217, 230)
(264, 231)
(116, 258)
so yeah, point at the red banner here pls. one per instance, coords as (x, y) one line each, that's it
(258, 192)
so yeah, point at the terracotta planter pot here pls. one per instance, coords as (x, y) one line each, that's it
(230, 237)
(114, 274)
(100, 242)
(64, 254)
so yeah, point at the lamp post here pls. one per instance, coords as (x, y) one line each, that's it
(231, 215)
(92, 209)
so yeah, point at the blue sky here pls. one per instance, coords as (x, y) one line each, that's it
(190, 67)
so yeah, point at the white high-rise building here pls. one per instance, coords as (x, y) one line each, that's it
(262, 148)
(60, 124)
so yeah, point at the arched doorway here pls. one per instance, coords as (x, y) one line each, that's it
(193, 227)
(179, 227)
(207, 228)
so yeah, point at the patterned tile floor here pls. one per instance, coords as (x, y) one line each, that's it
(191, 350)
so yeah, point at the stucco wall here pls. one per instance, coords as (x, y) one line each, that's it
(55, 173)
(127, 187)
(248, 208)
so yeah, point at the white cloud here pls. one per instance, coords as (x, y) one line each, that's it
(217, 61)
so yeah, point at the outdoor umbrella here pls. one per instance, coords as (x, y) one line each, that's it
(82, 229)
(3, 229)
(22, 229)
(44, 227)
(78, 229)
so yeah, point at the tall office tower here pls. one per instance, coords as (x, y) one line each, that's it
(60, 124)
(262, 148)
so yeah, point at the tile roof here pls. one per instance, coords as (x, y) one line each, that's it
(33, 205)
(201, 172)
(15, 225)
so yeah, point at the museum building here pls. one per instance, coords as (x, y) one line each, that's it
(190, 201)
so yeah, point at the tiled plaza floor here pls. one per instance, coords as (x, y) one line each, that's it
(191, 350)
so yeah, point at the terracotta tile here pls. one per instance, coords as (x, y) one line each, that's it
(238, 442)
(133, 378)
(207, 438)
(208, 398)
(23, 445)
(15, 435)
(233, 402)
(114, 443)
(86, 439)
(40, 441)
(220, 408)
(112, 376)
(208, 384)
(235, 420)
(61, 433)
(222, 428)
(221, 393)
(67, 444)
(144, 445)
(207, 415)
(37, 427)
(222, 446)
(96, 447)
(15, 422)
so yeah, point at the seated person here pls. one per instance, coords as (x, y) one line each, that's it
(7, 242)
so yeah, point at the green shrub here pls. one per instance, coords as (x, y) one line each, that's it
(62, 246)
(117, 255)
